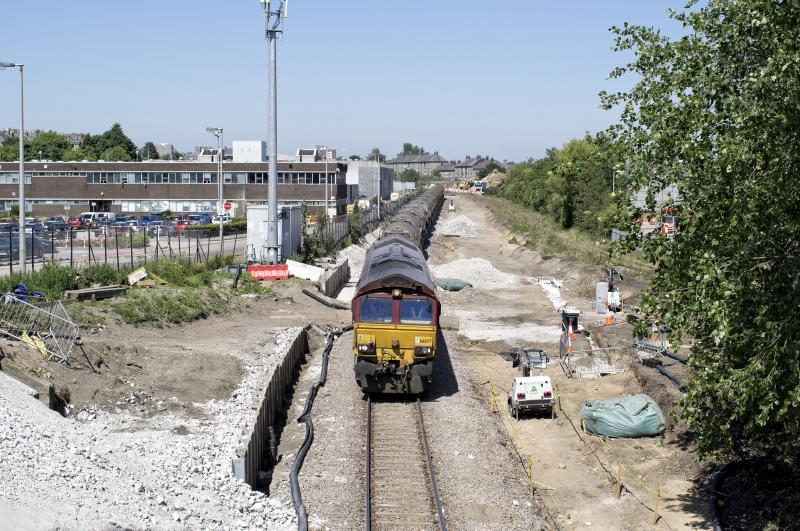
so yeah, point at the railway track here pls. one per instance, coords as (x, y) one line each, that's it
(401, 491)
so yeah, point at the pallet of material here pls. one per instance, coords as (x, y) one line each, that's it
(102, 292)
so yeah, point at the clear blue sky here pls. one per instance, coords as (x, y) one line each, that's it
(507, 78)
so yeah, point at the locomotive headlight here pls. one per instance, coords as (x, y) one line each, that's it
(397, 293)
(366, 347)
(422, 351)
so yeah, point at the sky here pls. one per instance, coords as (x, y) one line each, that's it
(507, 79)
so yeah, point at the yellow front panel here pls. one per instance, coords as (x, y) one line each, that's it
(395, 342)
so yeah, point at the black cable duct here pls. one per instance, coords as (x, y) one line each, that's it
(297, 497)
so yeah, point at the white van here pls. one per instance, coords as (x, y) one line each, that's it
(92, 218)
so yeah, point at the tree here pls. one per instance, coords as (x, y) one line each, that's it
(51, 145)
(408, 176)
(9, 150)
(114, 137)
(489, 168)
(715, 114)
(376, 152)
(149, 151)
(116, 154)
(355, 224)
(80, 154)
(410, 149)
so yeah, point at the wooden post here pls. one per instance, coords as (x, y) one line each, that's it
(655, 512)
(530, 472)
(619, 480)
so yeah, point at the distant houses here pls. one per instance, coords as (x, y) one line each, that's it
(428, 164)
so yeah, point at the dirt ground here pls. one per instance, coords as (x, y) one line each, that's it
(575, 474)
(146, 370)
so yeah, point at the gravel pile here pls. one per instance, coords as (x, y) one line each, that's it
(478, 272)
(460, 226)
(171, 471)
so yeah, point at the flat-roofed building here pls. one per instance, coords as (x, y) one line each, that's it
(69, 188)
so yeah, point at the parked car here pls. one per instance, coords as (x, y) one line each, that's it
(55, 225)
(33, 224)
(75, 222)
(200, 218)
(182, 224)
(56, 218)
(39, 247)
(147, 219)
(160, 225)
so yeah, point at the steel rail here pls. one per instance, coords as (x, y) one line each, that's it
(436, 499)
(432, 487)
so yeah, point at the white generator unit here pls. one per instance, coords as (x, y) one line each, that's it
(257, 233)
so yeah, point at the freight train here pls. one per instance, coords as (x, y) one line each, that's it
(395, 308)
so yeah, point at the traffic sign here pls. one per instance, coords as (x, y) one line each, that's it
(227, 206)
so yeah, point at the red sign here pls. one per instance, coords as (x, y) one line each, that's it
(228, 205)
(269, 272)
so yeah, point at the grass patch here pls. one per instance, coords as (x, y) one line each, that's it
(553, 241)
(248, 284)
(171, 306)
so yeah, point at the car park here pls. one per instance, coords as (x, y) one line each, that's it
(55, 225)
(200, 218)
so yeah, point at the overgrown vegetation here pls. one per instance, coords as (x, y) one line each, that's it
(571, 185)
(311, 246)
(715, 114)
(235, 225)
(188, 290)
(355, 224)
(551, 240)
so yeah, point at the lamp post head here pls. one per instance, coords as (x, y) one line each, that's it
(5, 64)
(216, 131)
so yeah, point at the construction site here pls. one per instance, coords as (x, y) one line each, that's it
(206, 424)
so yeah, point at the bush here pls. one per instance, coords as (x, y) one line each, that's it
(103, 274)
(52, 280)
(235, 225)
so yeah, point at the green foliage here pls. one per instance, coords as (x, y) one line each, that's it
(110, 140)
(149, 152)
(572, 185)
(9, 150)
(141, 306)
(310, 244)
(248, 284)
(355, 224)
(52, 280)
(116, 154)
(234, 225)
(376, 152)
(408, 176)
(51, 144)
(489, 168)
(411, 149)
(80, 154)
(716, 114)
(103, 274)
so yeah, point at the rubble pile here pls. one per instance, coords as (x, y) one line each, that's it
(108, 470)
(461, 226)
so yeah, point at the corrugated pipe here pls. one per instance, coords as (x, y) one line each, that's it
(677, 381)
(297, 497)
(676, 357)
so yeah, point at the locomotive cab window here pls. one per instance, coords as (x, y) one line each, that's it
(376, 310)
(416, 311)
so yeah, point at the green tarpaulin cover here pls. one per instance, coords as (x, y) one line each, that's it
(452, 284)
(625, 416)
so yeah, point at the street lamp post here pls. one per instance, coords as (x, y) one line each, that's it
(217, 132)
(3, 66)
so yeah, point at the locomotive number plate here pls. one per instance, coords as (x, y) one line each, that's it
(423, 341)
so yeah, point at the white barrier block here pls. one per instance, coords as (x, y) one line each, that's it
(301, 270)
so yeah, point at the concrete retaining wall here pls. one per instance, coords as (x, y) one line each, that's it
(255, 447)
(333, 279)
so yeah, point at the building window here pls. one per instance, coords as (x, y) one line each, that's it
(206, 178)
(103, 178)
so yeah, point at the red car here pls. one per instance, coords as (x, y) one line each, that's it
(75, 223)
(182, 224)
